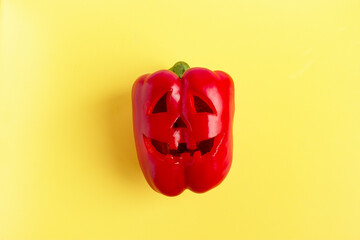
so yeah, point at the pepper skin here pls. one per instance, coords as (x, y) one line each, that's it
(182, 121)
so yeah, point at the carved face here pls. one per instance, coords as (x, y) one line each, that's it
(183, 129)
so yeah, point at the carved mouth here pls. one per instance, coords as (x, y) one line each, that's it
(204, 147)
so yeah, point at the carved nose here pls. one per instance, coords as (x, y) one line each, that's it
(179, 123)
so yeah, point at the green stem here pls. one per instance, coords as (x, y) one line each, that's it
(179, 68)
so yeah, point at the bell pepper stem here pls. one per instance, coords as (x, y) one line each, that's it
(179, 68)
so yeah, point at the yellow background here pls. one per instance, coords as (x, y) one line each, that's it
(68, 168)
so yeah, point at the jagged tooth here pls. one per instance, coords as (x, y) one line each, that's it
(191, 144)
(197, 154)
(195, 157)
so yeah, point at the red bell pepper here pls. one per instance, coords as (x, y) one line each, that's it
(182, 120)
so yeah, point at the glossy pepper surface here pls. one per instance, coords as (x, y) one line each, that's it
(182, 121)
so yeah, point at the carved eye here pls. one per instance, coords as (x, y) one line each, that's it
(201, 106)
(160, 106)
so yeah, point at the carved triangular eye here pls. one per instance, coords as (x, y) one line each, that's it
(160, 106)
(201, 106)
